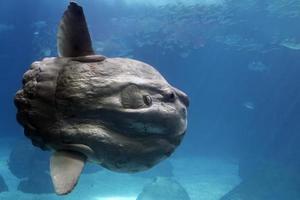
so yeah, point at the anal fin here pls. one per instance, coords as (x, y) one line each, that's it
(65, 169)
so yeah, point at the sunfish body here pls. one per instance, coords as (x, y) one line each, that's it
(118, 112)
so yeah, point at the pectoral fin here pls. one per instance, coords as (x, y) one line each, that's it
(65, 169)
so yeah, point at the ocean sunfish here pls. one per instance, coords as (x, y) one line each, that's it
(117, 112)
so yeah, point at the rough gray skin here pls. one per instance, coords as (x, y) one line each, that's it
(120, 113)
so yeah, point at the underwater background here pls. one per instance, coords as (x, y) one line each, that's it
(239, 62)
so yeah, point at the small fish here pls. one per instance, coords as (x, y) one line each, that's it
(291, 44)
(5, 27)
(257, 66)
(249, 105)
(39, 24)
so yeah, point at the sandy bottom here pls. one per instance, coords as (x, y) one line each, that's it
(203, 178)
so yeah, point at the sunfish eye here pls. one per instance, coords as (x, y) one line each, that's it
(131, 97)
(147, 100)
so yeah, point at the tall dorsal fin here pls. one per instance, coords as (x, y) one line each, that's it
(73, 38)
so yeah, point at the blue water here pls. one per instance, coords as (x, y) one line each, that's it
(237, 60)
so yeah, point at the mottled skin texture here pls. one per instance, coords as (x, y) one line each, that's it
(118, 112)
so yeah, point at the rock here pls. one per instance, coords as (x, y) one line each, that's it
(38, 184)
(3, 186)
(163, 189)
(272, 182)
(34, 171)
(33, 160)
